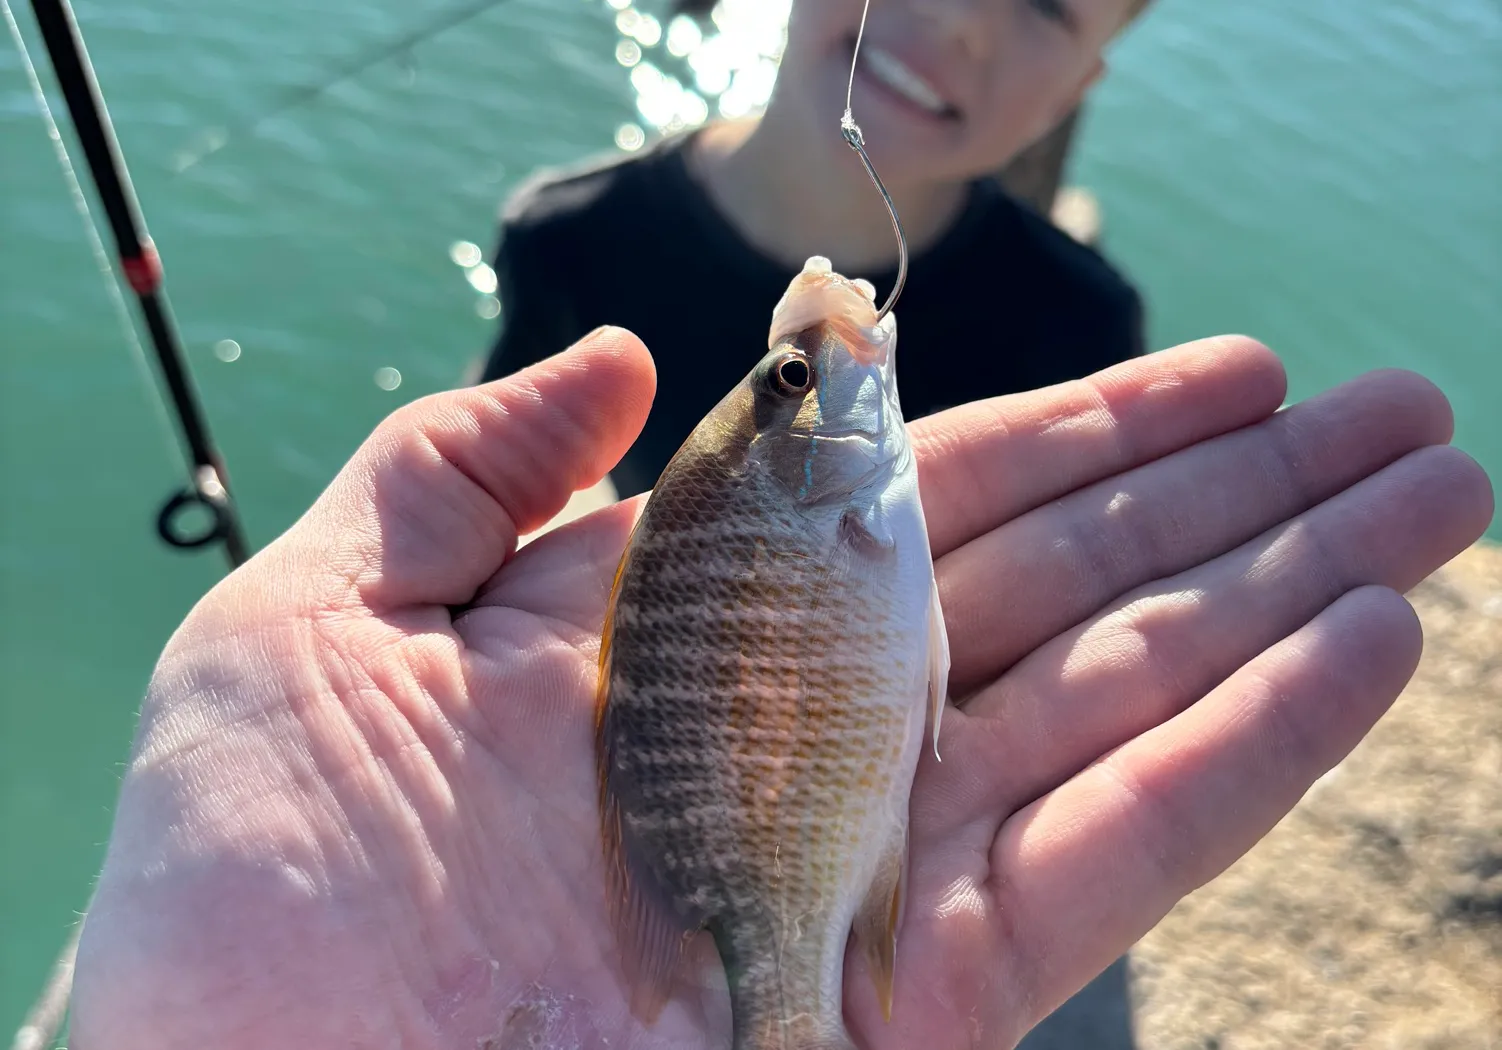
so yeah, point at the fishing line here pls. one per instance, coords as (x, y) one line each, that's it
(91, 230)
(214, 139)
(141, 267)
(860, 34)
(852, 133)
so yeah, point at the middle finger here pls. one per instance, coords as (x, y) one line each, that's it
(1057, 565)
(1165, 645)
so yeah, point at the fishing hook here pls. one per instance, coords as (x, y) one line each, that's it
(852, 135)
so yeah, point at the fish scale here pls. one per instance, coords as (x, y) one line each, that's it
(767, 657)
(704, 670)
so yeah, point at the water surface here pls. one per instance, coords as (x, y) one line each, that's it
(1319, 173)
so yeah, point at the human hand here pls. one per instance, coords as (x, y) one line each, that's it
(361, 806)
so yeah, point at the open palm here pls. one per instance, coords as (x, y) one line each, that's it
(361, 808)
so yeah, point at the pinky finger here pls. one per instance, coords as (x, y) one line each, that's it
(1088, 869)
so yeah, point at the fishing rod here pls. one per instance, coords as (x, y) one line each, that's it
(142, 267)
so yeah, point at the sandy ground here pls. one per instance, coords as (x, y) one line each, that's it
(1371, 917)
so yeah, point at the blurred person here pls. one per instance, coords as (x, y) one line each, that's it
(690, 243)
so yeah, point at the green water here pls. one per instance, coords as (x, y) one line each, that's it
(1323, 174)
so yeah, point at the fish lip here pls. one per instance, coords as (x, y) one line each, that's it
(867, 345)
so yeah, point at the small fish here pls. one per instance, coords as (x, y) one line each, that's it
(771, 652)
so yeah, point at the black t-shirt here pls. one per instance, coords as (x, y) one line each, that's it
(1004, 301)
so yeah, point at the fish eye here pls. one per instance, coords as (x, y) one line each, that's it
(793, 374)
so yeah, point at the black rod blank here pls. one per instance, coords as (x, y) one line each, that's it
(143, 271)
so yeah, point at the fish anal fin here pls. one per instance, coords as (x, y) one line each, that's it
(880, 916)
(938, 662)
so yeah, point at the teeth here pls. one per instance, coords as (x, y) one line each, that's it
(890, 70)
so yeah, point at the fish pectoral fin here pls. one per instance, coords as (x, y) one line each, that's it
(938, 662)
(866, 529)
(880, 916)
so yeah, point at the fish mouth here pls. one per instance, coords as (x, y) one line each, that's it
(820, 303)
(868, 346)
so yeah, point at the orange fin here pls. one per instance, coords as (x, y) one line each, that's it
(880, 916)
(607, 631)
(652, 935)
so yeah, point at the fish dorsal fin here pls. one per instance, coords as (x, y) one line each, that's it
(938, 662)
(650, 934)
(880, 916)
(651, 937)
(607, 631)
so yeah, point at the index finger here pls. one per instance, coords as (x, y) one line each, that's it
(984, 463)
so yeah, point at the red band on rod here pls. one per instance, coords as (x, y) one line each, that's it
(144, 272)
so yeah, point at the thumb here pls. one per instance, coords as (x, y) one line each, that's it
(434, 501)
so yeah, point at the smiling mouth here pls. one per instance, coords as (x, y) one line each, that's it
(891, 73)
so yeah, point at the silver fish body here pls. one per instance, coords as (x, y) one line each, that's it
(773, 645)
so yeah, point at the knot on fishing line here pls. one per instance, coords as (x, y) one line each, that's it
(852, 131)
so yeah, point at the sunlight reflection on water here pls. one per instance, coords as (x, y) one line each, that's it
(683, 74)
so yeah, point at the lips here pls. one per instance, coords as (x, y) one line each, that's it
(899, 78)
